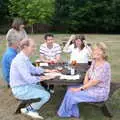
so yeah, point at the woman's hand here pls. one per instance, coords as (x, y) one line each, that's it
(76, 89)
(72, 37)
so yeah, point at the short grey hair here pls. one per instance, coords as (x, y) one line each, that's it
(12, 39)
(25, 42)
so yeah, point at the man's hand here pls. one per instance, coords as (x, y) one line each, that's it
(51, 71)
(47, 77)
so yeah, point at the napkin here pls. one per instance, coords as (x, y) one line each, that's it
(43, 64)
(53, 74)
(70, 77)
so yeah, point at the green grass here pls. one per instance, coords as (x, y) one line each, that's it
(88, 112)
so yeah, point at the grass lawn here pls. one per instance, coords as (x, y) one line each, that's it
(88, 112)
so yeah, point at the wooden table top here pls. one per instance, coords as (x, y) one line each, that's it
(79, 69)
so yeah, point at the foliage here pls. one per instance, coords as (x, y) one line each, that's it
(87, 15)
(3, 10)
(33, 11)
(65, 15)
(4, 16)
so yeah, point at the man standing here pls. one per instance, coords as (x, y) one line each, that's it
(8, 56)
(24, 85)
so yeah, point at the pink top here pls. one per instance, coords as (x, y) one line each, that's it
(103, 74)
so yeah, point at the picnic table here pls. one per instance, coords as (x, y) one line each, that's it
(80, 69)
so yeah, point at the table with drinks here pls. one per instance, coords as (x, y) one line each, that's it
(69, 74)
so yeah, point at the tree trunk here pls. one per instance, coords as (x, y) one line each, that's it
(32, 29)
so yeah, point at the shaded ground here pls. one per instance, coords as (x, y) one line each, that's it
(8, 106)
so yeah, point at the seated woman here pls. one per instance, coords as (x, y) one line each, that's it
(95, 88)
(78, 50)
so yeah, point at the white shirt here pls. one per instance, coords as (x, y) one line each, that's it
(81, 56)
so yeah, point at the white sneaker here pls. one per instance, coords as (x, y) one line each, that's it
(33, 114)
(52, 91)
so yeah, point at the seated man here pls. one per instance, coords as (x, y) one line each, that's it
(50, 53)
(24, 85)
(8, 56)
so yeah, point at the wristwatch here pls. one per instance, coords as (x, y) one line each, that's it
(82, 89)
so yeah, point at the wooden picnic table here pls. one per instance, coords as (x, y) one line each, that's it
(80, 69)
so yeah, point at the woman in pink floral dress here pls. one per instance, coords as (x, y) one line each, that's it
(95, 88)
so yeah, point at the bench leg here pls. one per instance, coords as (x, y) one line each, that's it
(21, 105)
(106, 111)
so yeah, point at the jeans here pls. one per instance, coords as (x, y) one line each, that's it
(32, 91)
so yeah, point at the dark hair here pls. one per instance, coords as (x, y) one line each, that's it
(82, 38)
(72, 42)
(48, 35)
(16, 23)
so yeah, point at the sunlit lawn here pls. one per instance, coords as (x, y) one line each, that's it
(88, 112)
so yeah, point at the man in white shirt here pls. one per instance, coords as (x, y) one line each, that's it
(50, 51)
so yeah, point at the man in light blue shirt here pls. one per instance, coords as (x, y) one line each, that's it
(7, 58)
(24, 85)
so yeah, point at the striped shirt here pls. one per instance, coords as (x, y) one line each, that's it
(50, 53)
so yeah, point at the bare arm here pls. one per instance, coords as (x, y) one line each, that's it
(42, 78)
(44, 59)
(86, 86)
(90, 84)
(85, 79)
(65, 49)
(88, 48)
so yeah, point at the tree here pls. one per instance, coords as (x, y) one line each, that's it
(33, 11)
(4, 10)
(87, 15)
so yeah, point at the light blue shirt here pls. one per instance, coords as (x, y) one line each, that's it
(21, 70)
(6, 62)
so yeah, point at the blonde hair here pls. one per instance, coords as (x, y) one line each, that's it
(103, 47)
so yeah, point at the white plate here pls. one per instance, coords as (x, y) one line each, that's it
(70, 77)
(53, 74)
(43, 64)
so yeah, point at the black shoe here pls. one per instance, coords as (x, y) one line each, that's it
(8, 86)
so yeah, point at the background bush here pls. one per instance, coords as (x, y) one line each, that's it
(88, 16)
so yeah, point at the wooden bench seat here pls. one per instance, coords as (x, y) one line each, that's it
(104, 106)
(24, 103)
